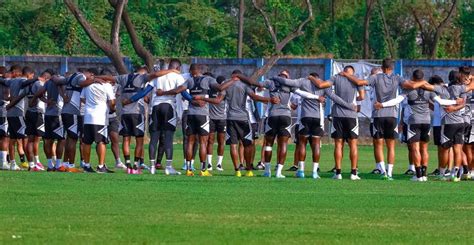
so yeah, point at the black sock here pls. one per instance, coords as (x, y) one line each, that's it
(465, 169)
(203, 166)
(354, 171)
(458, 173)
(423, 171)
(418, 172)
(8, 158)
(22, 157)
(127, 158)
(137, 159)
(338, 171)
(140, 160)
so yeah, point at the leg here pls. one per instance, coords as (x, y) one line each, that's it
(234, 155)
(114, 139)
(139, 147)
(282, 149)
(354, 154)
(338, 154)
(101, 150)
(152, 146)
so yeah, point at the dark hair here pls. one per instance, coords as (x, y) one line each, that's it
(49, 71)
(209, 74)
(349, 67)
(106, 71)
(418, 75)
(142, 67)
(314, 74)
(194, 66)
(15, 68)
(27, 70)
(220, 79)
(236, 72)
(388, 64)
(93, 71)
(3, 70)
(434, 80)
(174, 64)
(454, 77)
(465, 70)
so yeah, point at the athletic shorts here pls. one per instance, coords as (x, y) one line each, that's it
(53, 128)
(163, 117)
(217, 126)
(468, 134)
(238, 131)
(384, 128)
(114, 125)
(132, 125)
(16, 127)
(72, 125)
(278, 126)
(254, 128)
(452, 134)
(34, 123)
(418, 132)
(95, 133)
(197, 125)
(310, 127)
(437, 135)
(3, 127)
(345, 128)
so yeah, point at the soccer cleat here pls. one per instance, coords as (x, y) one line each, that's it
(14, 167)
(424, 178)
(171, 171)
(435, 172)
(293, 168)
(5, 166)
(455, 179)
(441, 178)
(316, 175)
(53, 169)
(249, 173)
(209, 167)
(238, 173)
(74, 170)
(40, 166)
(260, 166)
(447, 173)
(376, 171)
(267, 174)
(300, 174)
(158, 166)
(337, 177)
(355, 177)
(104, 170)
(386, 177)
(466, 176)
(416, 179)
(219, 167)
(35, 169)
(145, 167)
(62, 169)
(409, 172)
(280, 176)
(241, 167)
(189, 173)
(333, 170)
(205, 173)
(88, 169)
(120, 166)
(24, 166)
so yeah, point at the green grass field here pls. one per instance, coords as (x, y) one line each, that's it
(52, 208)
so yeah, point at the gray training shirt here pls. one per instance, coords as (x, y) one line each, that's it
(418, 100)
(455, 91)
(35, 87)
(346, 90)
(15, 90)
(217, 112)
(200, 86)
(236, 99)
(52, 93)
(73, 92)
(283, 93)
(4, 93)
(137, 82)
(385, 88)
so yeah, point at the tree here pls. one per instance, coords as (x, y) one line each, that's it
(279, 45)
(241, 28)
(369, 4)
(388, 37)
(112, 48)
(430, 29)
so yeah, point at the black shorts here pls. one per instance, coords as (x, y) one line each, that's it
(452, 134)
(345, 128)
(217, 126)
(114, 125)
(16, 127)
(95, 133)
(3, 127)
(437, 135)
(384, 128)
(468, 134)
(34, 123)
(163, 117)
(72, 125)
(310, 127)
(418, 132)
(238, 131)
(278, 126)
(53, 128)
(132, 125)
(254, 128)
(197, 124)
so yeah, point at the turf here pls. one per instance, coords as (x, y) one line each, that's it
(52, 208)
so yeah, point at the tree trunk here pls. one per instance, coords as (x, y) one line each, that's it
(368, 14)
(141, 51)
(388, 38)
(241, 29)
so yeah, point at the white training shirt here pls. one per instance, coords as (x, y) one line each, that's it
(96, 107)
(167, 82)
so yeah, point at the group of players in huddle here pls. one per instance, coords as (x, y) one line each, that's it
(81, 106)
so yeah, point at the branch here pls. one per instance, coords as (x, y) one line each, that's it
(115, 39)
(299, 30)
(448, 17)
(267, 22)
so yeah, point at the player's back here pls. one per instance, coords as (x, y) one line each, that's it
(236, 98)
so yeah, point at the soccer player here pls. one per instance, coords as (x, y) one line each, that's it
(311, 127)
(345, 124)
(4, 96)
(465, 73)
(295, 105)
(15, 116)
(99, 99)
(218, 123)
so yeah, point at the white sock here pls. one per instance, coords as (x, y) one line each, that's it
(442, 171)
(315, 167)
(377, 166)
(301, 166)
(50, 163)
(219, 160)
(279, 169)
(268, 167)
(168, 163)
(192, 162)
(209, 159)
(32, 164)
(411, 167)
(100, 165)
(118, 161)
(382, 167)
(152, 163)
(58, 163)
(37, 159)
(389, 169)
